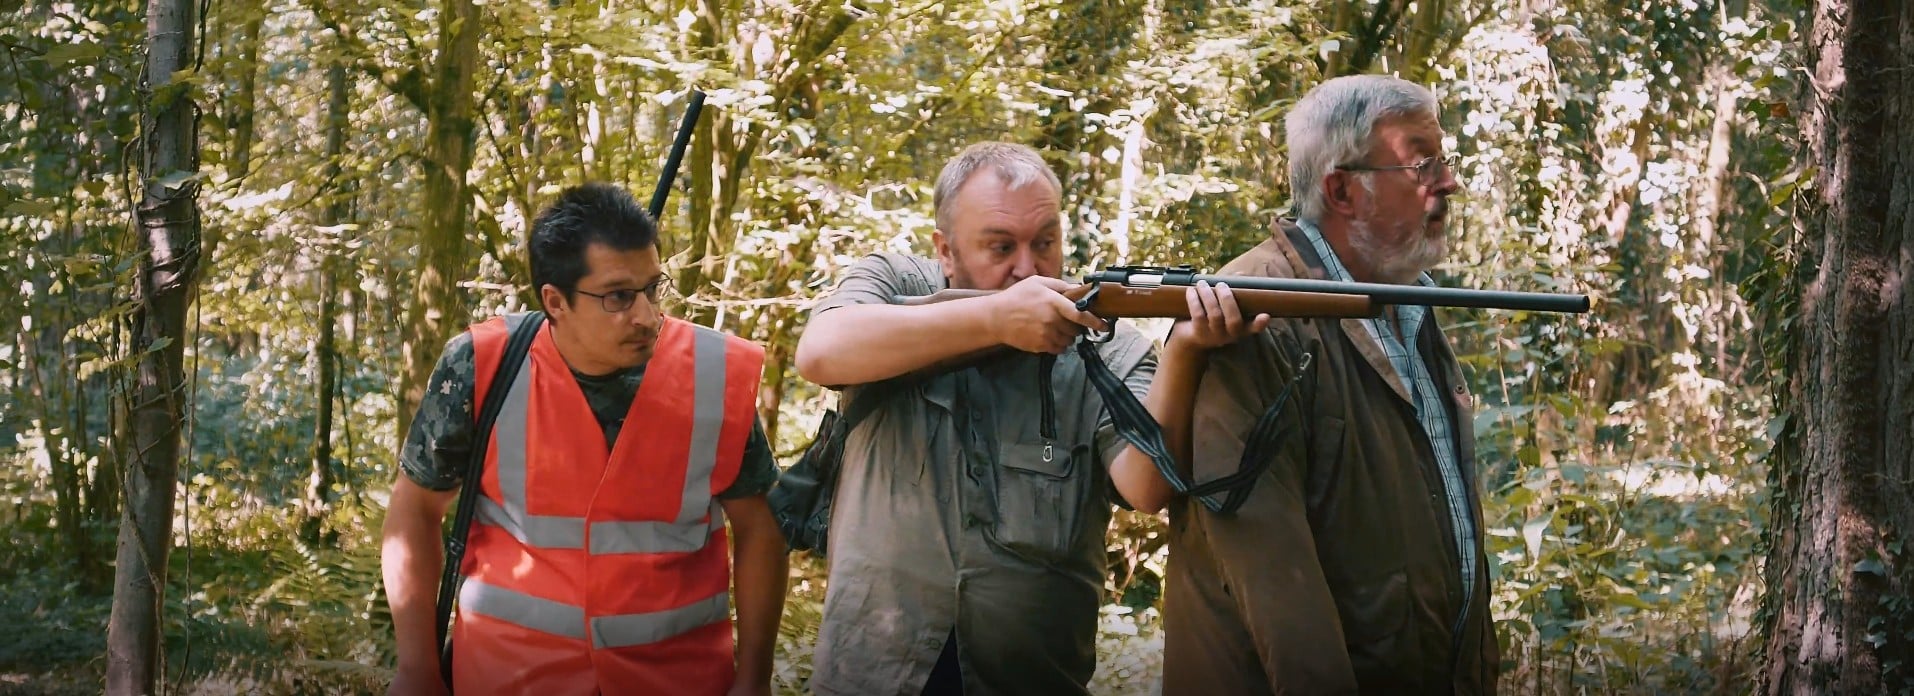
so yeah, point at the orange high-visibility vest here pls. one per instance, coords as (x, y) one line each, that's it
(605, 572)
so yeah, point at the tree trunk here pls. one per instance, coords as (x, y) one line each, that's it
(722, 151)
(1839, 616)
(436, 311)
(242, 116)
(701, 168)
(168, 220)
(319, 483)
(1084, 45)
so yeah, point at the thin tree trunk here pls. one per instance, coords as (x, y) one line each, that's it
(319, 483)
(701, 167)
(77, 440)
(1838, 574)
(777, 361)
(436, 311)
(722, 151)
(242, 120)
(1086, 42)
(1709, 205)
(168, 220)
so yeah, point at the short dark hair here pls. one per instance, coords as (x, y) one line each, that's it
(582, 216)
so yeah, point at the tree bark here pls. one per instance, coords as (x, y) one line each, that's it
(1085, 44)
(319, 482)
(168, 222)
(436, 310)
(1839, 619)
(248, 68)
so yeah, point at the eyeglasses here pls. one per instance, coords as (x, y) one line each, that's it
(1429, 170)
(620, 300)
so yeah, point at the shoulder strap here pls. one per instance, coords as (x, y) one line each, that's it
(516, 348)
(1135, 425)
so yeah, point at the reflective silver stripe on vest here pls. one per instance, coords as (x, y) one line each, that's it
(707, 419)
(627, 630)
(698, 513)
(536, 613)
(509, 434)
(653, 537)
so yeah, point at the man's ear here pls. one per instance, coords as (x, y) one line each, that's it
(553, 301)
(941, 242)
(1337, 195)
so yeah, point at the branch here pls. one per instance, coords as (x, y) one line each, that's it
(1454, 38)
(410, 85)
(949, 96)
(1369, 38)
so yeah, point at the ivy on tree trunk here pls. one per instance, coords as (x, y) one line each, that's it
(1839, 619)
(168, 226)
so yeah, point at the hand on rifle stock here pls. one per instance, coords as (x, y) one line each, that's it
(1035, 316)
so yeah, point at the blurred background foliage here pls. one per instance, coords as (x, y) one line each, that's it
(1638, 152)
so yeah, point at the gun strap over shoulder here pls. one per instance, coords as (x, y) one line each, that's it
(516, 347)
(1135, 425)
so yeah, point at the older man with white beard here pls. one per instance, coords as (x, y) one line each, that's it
(1356, 565)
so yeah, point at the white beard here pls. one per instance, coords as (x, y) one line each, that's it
(1399, 264)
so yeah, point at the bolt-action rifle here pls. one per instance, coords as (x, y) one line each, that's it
(1134, 292)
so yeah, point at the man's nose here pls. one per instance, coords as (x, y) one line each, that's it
(1025, 266)
(645, 313)
(1447, 184)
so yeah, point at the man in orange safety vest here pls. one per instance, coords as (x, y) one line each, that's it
(598, 560)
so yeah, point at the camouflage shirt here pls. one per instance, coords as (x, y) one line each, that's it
(437, 448)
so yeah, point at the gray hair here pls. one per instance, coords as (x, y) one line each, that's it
(1333, 123)
(1015, 165)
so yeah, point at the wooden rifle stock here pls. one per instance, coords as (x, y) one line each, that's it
(1119, 301)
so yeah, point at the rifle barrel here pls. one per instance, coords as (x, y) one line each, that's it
(1381, 293)
(677, 154)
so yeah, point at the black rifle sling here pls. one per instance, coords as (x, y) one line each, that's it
(516, 347)
(1135, 425)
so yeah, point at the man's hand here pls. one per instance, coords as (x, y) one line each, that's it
(417, 683)
(1033, 316)
(1215, 319)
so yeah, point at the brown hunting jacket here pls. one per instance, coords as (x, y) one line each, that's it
(1340, 573)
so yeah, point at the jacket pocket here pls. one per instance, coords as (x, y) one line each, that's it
(1375, 625)
(1040, 489)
